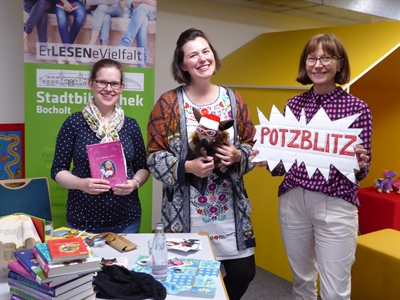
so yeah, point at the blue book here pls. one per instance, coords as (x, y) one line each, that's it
(52, 291)
(30, 263)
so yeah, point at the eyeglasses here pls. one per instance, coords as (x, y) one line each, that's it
(207, 132)
(324, 60)
(102, 84)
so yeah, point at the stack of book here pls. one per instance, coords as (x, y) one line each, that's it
(57, 270)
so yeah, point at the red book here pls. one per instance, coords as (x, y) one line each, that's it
(67, 249)
(60, 4)
(107, 162)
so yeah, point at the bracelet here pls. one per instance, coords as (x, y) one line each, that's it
(137, 182)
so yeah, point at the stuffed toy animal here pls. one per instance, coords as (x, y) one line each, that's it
(396, 185)
(385, 184)
(209, 133)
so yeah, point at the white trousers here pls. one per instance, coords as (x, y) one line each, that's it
(320, 235)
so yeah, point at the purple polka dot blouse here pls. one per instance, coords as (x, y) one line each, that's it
(337, 104)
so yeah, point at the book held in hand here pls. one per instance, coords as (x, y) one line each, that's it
(67, 249)
(107, 162)
(60, 4)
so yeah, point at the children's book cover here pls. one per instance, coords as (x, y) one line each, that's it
(107, 162)
(186, 276)
(67, 249)
(80, 266)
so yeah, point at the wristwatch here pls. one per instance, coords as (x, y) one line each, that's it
(137, 182)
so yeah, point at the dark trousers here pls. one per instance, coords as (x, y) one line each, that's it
(37, 10)
(239, 273)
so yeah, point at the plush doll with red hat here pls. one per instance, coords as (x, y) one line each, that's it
(210, 132)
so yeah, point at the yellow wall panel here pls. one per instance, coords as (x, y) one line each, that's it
(272, 59)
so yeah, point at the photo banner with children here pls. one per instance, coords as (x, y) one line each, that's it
(318, 144)
(62, 40)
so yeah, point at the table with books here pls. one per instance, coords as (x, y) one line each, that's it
(204, 259)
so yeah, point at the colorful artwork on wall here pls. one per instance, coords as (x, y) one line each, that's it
(12, 157)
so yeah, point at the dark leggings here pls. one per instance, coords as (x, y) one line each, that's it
(239, 273)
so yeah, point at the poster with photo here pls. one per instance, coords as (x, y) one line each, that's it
(62, 40)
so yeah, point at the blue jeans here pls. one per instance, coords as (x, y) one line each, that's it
(131, 228)
(102, 20)
(37, 10)
(79, 14)
(137, 27)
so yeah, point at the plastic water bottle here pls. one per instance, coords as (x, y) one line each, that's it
(159, 254)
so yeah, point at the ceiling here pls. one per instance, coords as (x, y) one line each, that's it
(341, 12)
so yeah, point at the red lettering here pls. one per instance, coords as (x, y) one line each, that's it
(274, 137)
(327, 143)
(264, 132)
(336, 142)
(315, 148)
(306, 144)
(352, 139)
(283, 131)
(292, 144)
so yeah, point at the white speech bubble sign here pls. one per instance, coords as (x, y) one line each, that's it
(318, 143)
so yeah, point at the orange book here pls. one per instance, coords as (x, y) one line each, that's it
(67, 249)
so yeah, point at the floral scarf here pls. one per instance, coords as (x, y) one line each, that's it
(106, 129)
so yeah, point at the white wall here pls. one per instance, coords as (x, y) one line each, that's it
(228, 27)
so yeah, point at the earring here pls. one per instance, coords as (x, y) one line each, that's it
(338, 71)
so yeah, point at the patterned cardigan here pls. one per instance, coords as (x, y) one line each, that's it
(167, 150)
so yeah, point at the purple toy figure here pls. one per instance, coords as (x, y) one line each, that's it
(385, 184)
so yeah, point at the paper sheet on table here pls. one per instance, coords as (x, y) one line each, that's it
(318, 144)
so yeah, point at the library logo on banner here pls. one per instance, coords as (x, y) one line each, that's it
(70, 79)
(52, 101)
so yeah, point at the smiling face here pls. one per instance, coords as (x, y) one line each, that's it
(105, 98)
(198, 59)
(323, 77)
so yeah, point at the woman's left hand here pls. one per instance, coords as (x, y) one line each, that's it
(124, 189)
(361, 154)
(227, 153)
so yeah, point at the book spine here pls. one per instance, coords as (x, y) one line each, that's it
(21, 294)
(31, 283)
(43, 264)
(30, 292)
(41, 248)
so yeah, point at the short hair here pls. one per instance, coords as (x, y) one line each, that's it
(106, 63)
(189, 35)
(332, 46)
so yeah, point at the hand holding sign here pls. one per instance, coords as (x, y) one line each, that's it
(318, 144)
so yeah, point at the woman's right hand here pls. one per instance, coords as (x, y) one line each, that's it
(201, 166)
(253, 154)
(94, 186)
